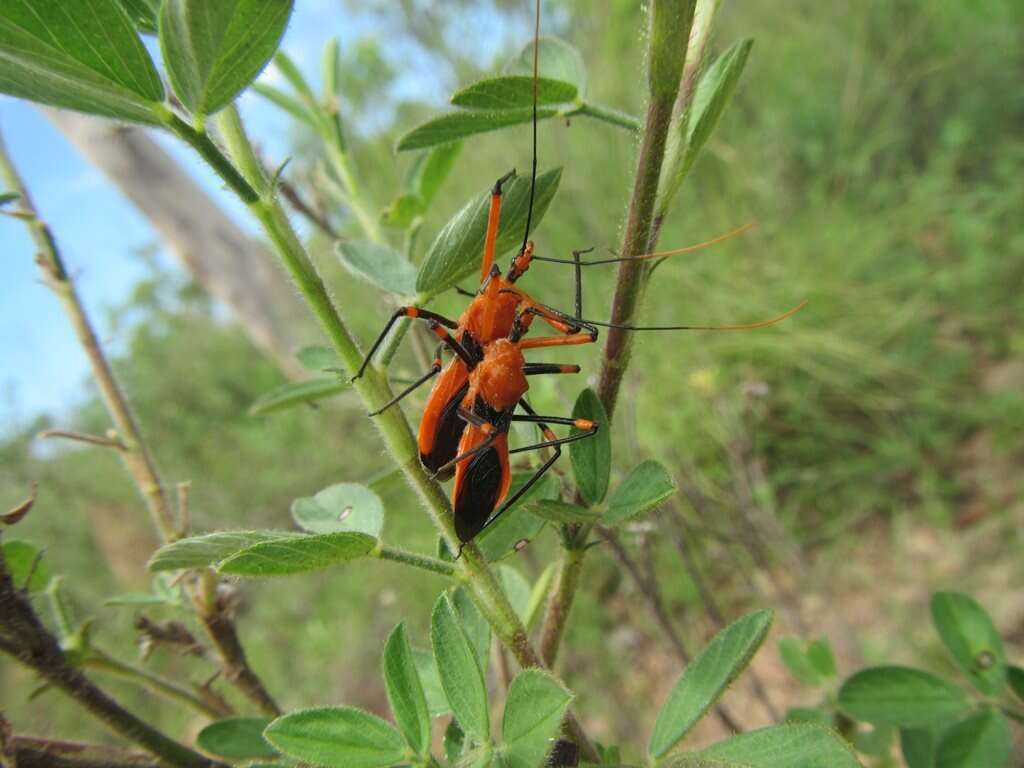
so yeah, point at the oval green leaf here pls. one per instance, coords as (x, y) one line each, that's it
(917, 745)
(458, 125)
(317, 358)
(88, 58)
(25, 565)
(819, 653)
(461, 676)
(1015, 677)
(785, 746)
(644, 489)
(982, 741)
(340, 507)
(796, 660)
(208, 549)
(298, 554)
(591, 458)
(534, 709)
(426, 666)
(214, 50)
(379, 265)
(513, 92)
(900, 696)
(237, 738)
(562, 512)
(340, 737)
(432, 172)
(516, 588)
(474, 625)
(971, 637)
(517, 524)
(556, 60)
(458, 247)
(405, 692)
(297, 393)
(704, 681)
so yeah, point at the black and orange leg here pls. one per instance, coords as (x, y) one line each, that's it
(493, 218)
(558, 341)
(539, 369)
(414, 313)
(434, 370)
(477, 421)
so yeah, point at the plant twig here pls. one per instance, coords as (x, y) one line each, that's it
(557, 614)
(23, 636)
(82, 437)
(37, 752)
(135, 454)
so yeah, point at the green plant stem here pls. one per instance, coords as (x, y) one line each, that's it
(671, 21)
(134, 452)
(398, 437)
(416, 560)
(340, 162)
(606, 115)
(103, 661)
(560, 605)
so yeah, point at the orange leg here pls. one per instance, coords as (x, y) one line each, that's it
(557, 341)
(493, 218)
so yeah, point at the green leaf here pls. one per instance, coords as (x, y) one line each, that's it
(340, 737)
(454, 742)
(459, 125)
(556, 59)
(8, 197)
(982, 741)
(143, 13)
(875, 743)
(426, 667)
(534, 709)
(298, 554)
(539, 595)
(819, 653)
(1015, 677)
(458, 247)
(704, 681)
(297, 393)
(713, 93)
(796, 661)
(209, 549)
(900, 696)
(562, 512)
(340, 507)
(435, 169)
(591, 458)
(213, 51)
(379, 265)
(87, 58)
(403, 211)
(405, 693)
(461, 676)
(24, 560)
(477, 630)
(785, 746)
(972, 639)
(513, 92)
(643, 490)
(918, 747)
(317, 358)
(236, 738)
(516, 588)
(517, 524)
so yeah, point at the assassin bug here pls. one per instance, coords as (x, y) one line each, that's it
(468, 414)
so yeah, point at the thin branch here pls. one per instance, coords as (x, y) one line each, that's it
(34, 752)
(83, 437)
(557, 615)
(135, 454)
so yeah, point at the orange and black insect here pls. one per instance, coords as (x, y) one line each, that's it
(465, 424)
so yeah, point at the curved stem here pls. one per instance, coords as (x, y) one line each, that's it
(607, 115)
(416, 560)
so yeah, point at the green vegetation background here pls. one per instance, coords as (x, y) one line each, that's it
(880, 148)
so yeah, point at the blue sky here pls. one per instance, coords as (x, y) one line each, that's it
(100, 234)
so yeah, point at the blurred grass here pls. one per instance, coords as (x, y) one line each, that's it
(880, 148)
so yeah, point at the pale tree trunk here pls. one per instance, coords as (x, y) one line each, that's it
(225, 261)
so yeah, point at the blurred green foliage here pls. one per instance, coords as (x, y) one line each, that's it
(879, 147)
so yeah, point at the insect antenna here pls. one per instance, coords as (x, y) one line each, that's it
(533, 169)
(731, 327)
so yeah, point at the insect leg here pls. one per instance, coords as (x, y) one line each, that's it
(411, 312)
(434, 370)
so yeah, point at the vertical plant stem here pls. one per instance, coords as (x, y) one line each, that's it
(395, 431)
(559, 606)
(670, 31)
(134, 452)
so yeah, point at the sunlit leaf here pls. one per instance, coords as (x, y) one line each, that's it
(337, 736)
(513, 92)
(379, 265)
(214, 50)
(88, 58)
(459, 125)
(458, 248)
(283, 557)
(340, 507)
(208, 549)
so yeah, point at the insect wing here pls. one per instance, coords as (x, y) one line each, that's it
(441, 428)
(481, 483)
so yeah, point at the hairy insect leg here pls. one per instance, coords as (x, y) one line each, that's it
(434, 370)
(414, 313)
